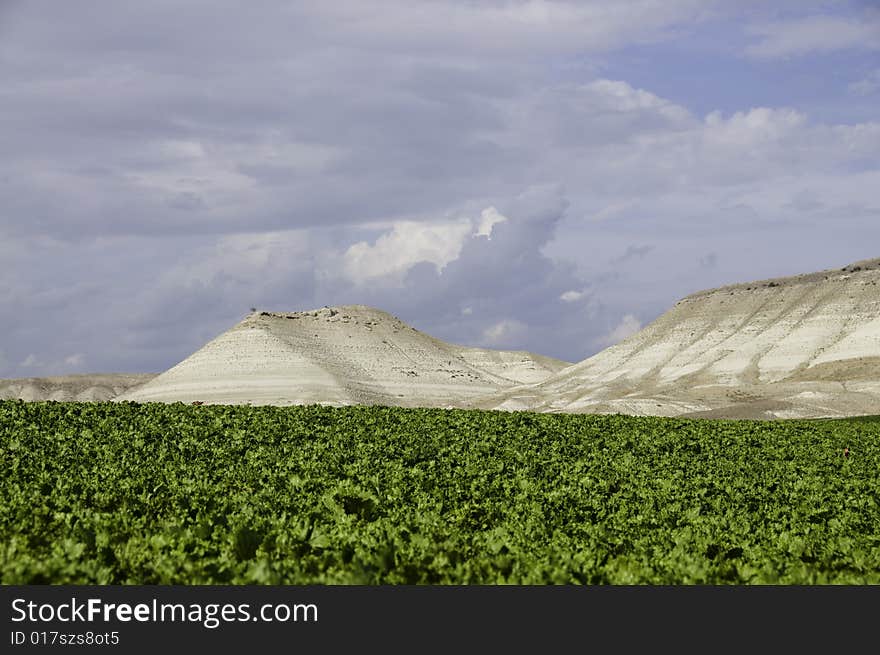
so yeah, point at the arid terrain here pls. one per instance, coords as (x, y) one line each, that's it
(802, 346)
(342, 355)
(795, 347)
(94, 387)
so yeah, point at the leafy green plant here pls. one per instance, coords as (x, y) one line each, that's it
(126, 493)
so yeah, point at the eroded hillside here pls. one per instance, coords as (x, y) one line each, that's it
(801, 346)
(343, 355)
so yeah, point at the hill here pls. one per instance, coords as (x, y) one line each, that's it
(86, 387)
(801, 346)
(343, 355)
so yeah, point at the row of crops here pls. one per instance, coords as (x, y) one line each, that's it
(126, 493)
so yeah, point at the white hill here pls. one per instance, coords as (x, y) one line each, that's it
(94, 387)
(802, 346)
(343, 355)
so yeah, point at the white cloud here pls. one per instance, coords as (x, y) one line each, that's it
(866, 86)
(572, 296)
(815, 34)
(180, 149)
(246, 258)
(627, 327)
(613, 209)
(622, 98)
(505, 27)
(325, 118)
(504, 332)
(185, 166)
(37, 365)
(488, 218)
(407, 243)
(750, 128)
(708, 160)
(501, 292)
(563, 118)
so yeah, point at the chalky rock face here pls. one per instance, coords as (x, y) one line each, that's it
(796, 347)
(342, 355)
(64, 388)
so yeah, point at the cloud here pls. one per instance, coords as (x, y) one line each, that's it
(572, 295)
(408, 243)
(164, 168)
(627, 327)
(502, 28)
(300, 115)
(501, 290)
(488, 218)
(571, 117)
(505, 332)
(75, 361)
(36, 365)
(186, 200)
(633, 252)
(815, 34)
(866, 86)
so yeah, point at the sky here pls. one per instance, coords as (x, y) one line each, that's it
(546, 175)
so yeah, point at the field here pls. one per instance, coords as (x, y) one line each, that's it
(126, 493)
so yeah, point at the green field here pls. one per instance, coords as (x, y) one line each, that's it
(122, 493)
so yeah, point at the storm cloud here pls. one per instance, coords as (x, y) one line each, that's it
(526, 174)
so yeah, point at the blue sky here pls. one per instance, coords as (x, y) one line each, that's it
(541, 175)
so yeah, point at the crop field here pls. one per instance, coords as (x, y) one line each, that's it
(126, 493)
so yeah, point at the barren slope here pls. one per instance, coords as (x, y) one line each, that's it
(339, 355)
(801, 346)
(89, 387)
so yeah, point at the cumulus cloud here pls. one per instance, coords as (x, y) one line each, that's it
(502, 290)
(815, 34)
(488, 218)
(706, 162)
(460, 164)
(866, 86)
(408, 243)
(572, 295)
